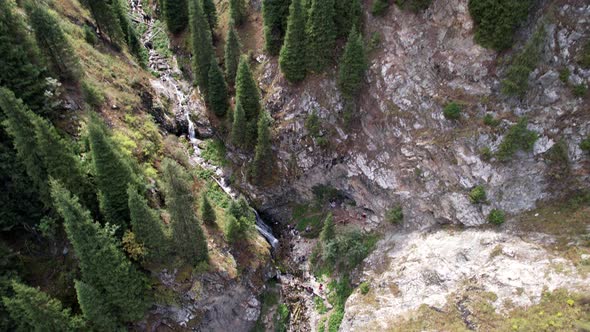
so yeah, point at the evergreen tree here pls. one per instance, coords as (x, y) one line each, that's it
(232, 229)
(292, 58)
(275, 14)
(131, 39)
(248, 96)
(263, 158)
(95, 308)
(379, 7)
(53, 43)
(352, 65)
(237, 12)
(202, 46)
(147, 226)
(107, 19)
(187, 234)
(328, 232)
(34, 310)
(321, 34)
(176, 14)
(20, 73)
(239, 127)
(232, 55)
(218, 97)
(207, 213)
(211, 13)
(120, 290)
(113, 175)
(348, 14)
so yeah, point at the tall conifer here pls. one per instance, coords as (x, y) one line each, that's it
(248, 96)
(201, 44)
(232, 55)
(218, 96)
(211, 13)
(321, 35)
(348, 13)
(262, 167)
(147, 226)
(239, 127)
(352, 65)
(292, 58)
(176, 15)
(237, 12)
(275, 14)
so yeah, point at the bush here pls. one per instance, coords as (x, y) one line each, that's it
(313, 124)
(585, 145)
(348, 250)
(584, 57)
(497, 20)
(90, 35)
(282, 319)
(414, 5)
(92, 95)
(395, 215)
(496, 217)
(564, 75)
(489, 120)
(365, 287)
(516, 82)
(517, 138)
(580, 90)
(477, 195)
(452, 111)
(486, 153)
(379, 7)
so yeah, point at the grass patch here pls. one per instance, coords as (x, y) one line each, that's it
(305, 216)
(319, 305)
(395, 215)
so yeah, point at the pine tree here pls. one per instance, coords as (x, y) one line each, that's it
(248, 96)
(187, 234)
(352, 65)
(348, 14)
(113, 176)
(218, 96)
(232, 229)
(107, 20)
(237, 12)
(95, 308)
(232, 55)
(202, 46)
(147, 226)
(131, 39)
(119, 288)
(292, 58)
(262, 166)
(53, 43)
(207, 213)
(34, 310)
(239, 127)
(211, 13)
(328, 232)
(321, 35)
(176, 15)
(20, 73)
(275, 14)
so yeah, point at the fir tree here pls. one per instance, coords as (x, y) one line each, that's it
(20, 73)
(218, 97)
(248, 96)
(275, 13)
(107, 20)
(130, 34)
(207, 213)
(176, 15)
(147, 226)
(95, 308)
(119, 288)
(292, 58)
(232, 55)
(33, 310)
(328, 232)
(187, 234)
(262, 166)
(237, 12)
(352, 65)
(202, 46)
(211, 13)
(232, 229)
(53, 43)
(239, 127)
(321, 34)
(113, 175)
(380, 7)
(348, 13)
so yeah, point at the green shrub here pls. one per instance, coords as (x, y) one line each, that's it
(92, 95)
(496, 21)
(516, 82)
(339, 291)
(90, 35)
(375, 41)
(477, 195)
(580, 90)
(517, 138)
(497, 217)
(395, 215)
(215, 152)
(319, 305)
(313, 124)
(584, 57)
(585, 145)
(379, 7)
(452, 111)
(564, 75)
(489, 120)
(486, 153)
(348, 250)
(282, 318)
(414, 5)
(365, 287)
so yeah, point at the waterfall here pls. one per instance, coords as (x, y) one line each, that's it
(191, 128)
(265, 230)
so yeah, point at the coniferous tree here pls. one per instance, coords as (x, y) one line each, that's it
(348, 13)
(107, 19)
(207, 213)
(147, 226)
(237, 12)
(292, 58)
(53, 43)
(275, 14)
(379, 7)
(20, 73)
(202, 46)
(352, 65)
(328, 232)
(131, 39)
(248, 96)
(113, 176)
(34, 310)
(211, 13)
(263, 157)
(187, 234)
(176, 15)
(232, 55)
(119, 289)
(218, 96)
(239, 127)
(95, 307)
(321, 34)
